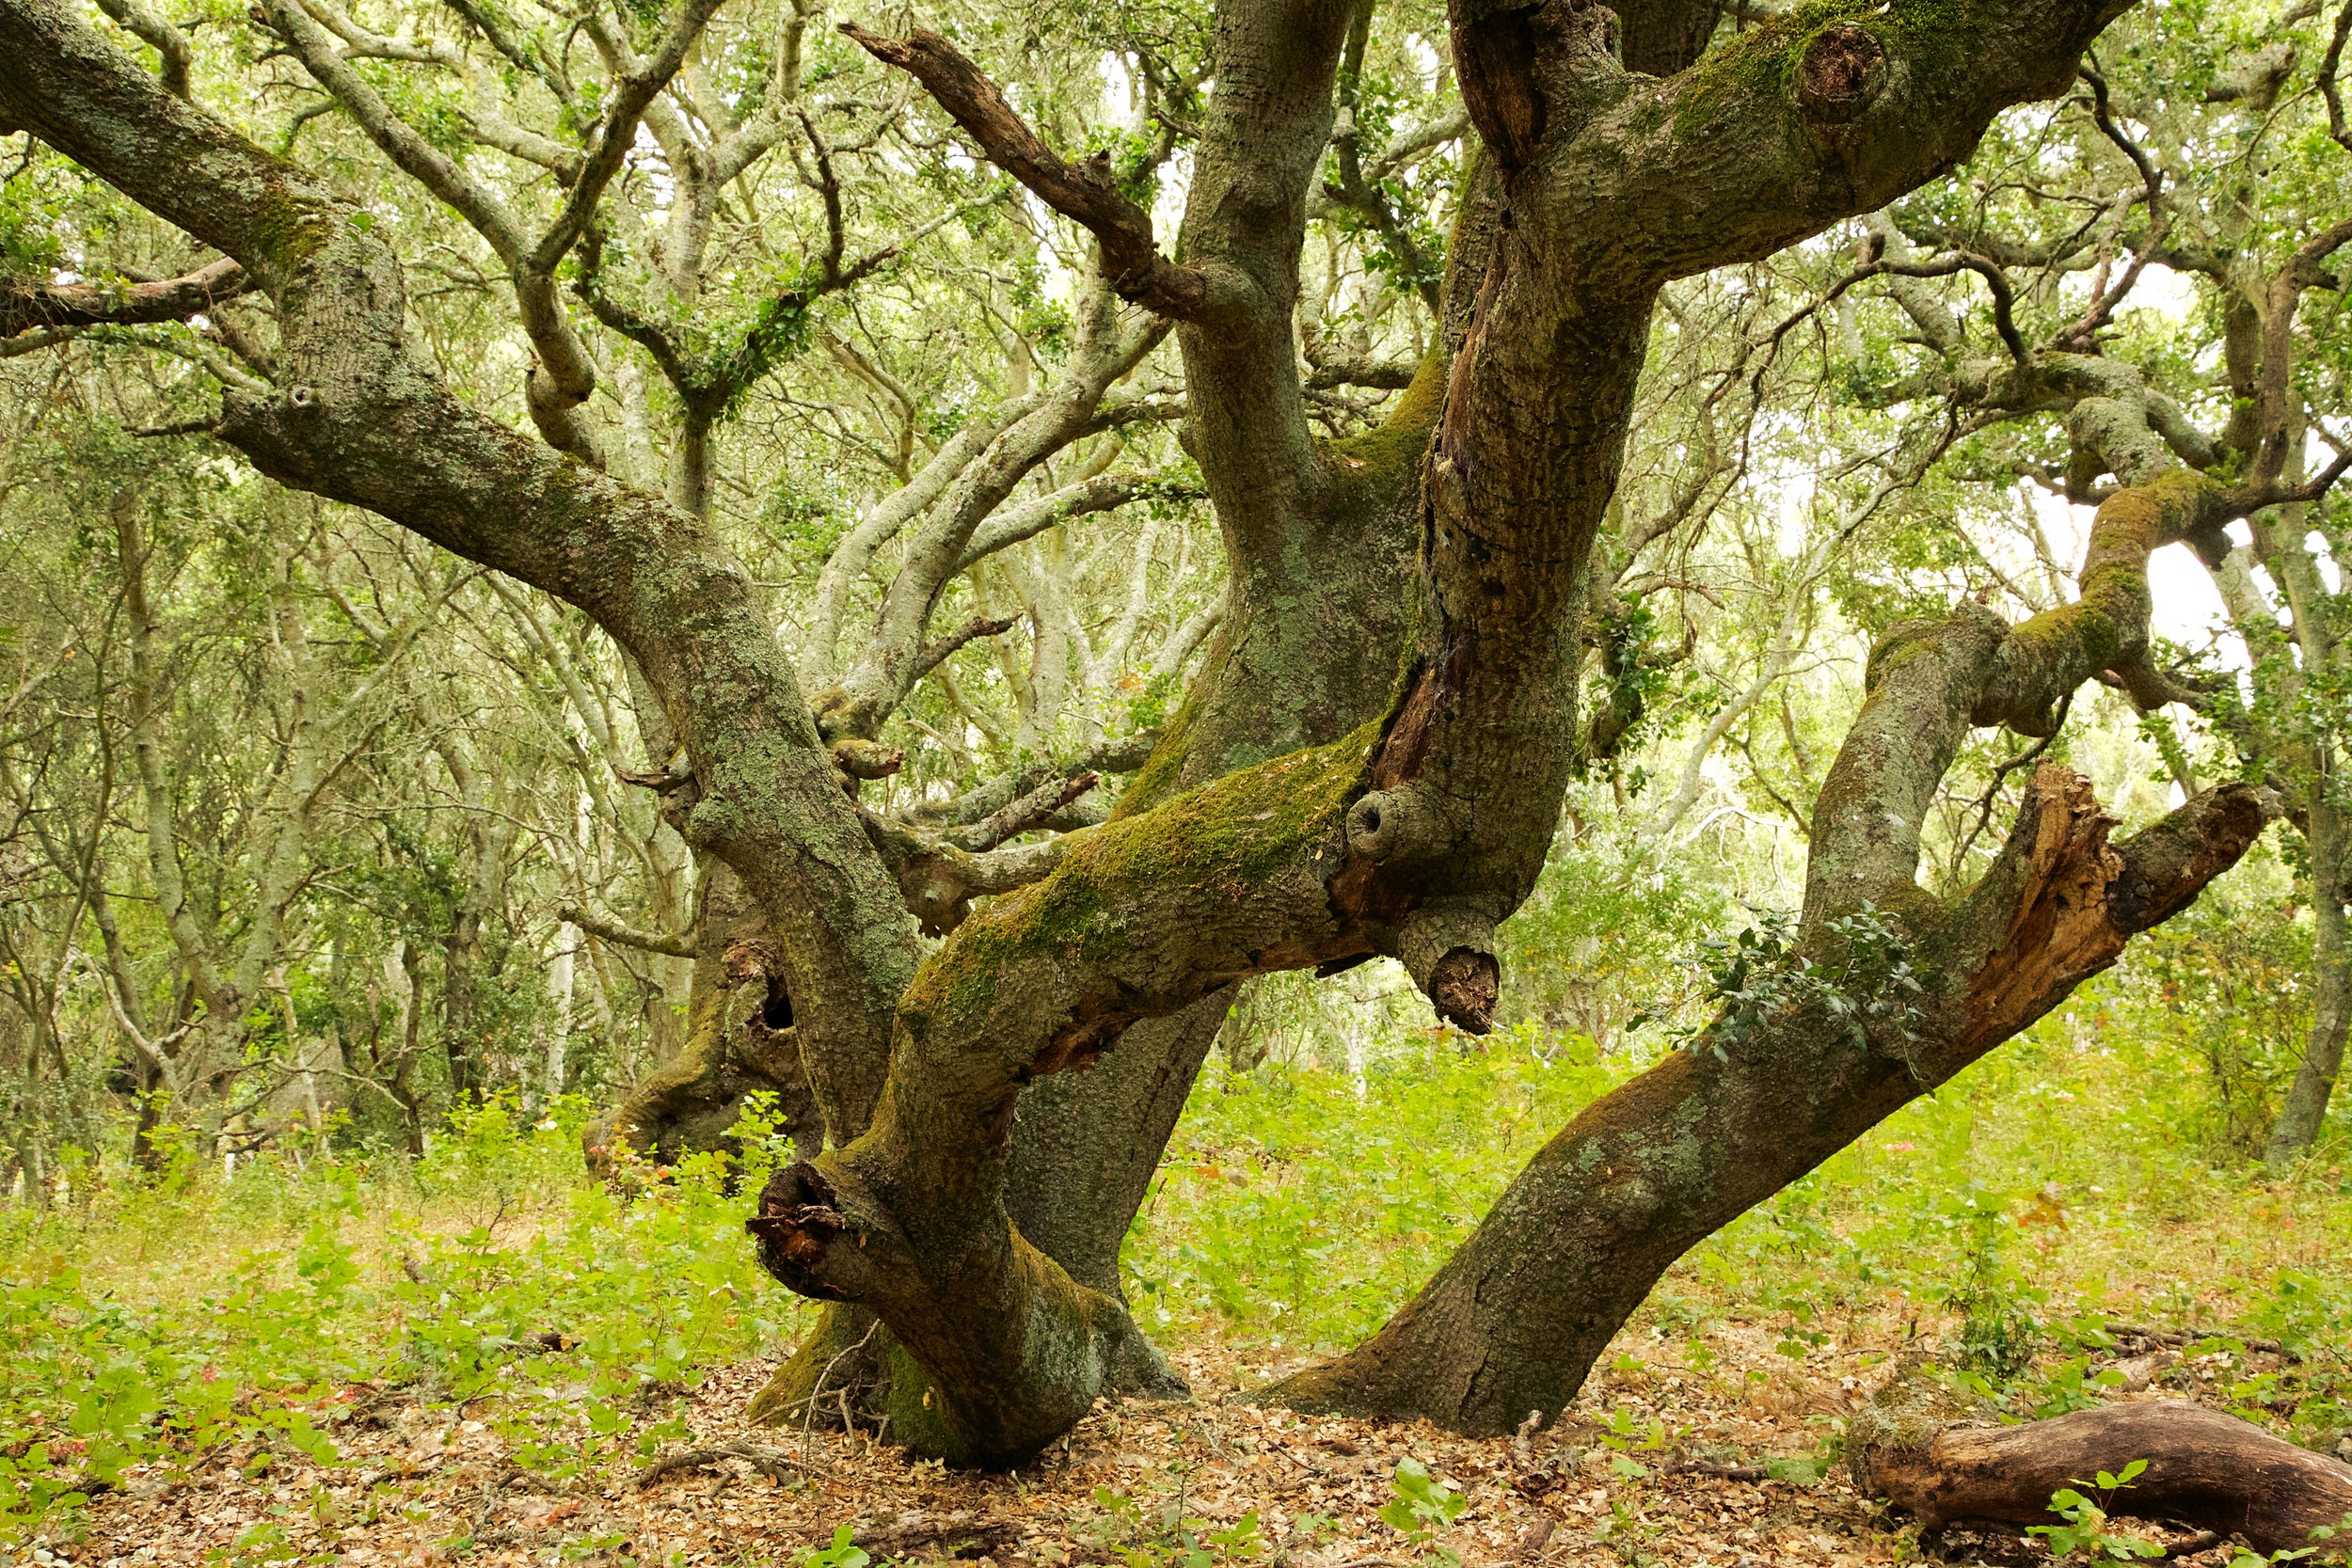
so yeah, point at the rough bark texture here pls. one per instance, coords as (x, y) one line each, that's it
(2204, 1468)
(1086, 1145)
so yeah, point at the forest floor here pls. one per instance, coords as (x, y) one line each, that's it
(1656, 1463)
(478, 1356)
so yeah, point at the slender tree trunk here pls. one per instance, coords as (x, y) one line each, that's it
(147, 1156)
(558, 1034)
(2305, 1109)
(405, 973)
(460, 950)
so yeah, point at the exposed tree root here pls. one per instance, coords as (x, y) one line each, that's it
(2204, 1468)
(952, 1534)
(773, 1463)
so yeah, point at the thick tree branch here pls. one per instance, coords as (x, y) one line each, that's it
(1084, 192)
(562, 378)
(1366, 844)
(2329, 69)
(1801, 120)
(1328, 370)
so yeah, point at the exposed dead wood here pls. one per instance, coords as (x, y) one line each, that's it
(768, 1460)
(2204, 1468)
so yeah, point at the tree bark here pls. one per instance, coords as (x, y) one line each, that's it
(741, 1038)
(1086, 1145)
(1306, 654)
(2304, 1112)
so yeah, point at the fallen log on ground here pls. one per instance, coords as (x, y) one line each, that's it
(2172, 1338)
(2204, 1468)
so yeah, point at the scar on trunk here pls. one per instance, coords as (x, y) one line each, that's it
(1465, 986)
(2062, 930)
(797, 1223)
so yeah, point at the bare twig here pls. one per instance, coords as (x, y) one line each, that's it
(650, 941)
(768, 1460)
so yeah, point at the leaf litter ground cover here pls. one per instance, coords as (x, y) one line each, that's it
(1656, 1467)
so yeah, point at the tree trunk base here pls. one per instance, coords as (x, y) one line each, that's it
(2204, 1468)
(849, 1370)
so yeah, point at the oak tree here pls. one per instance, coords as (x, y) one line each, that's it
(1371, 759)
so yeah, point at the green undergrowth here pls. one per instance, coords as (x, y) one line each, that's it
(2088, 1174)
(1298, 1205)
(2068, 1182)
(164, 1326)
